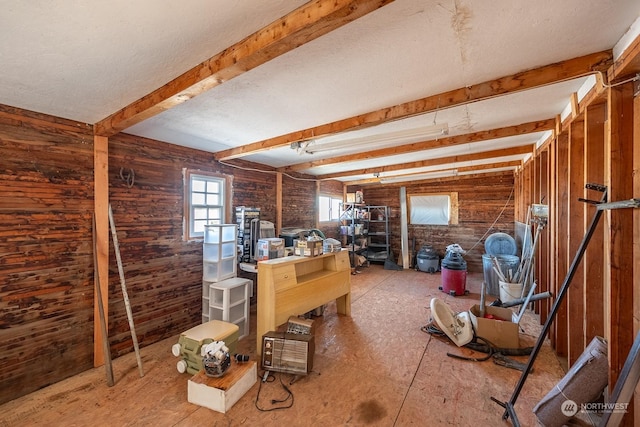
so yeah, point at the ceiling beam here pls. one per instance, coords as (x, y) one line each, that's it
(542, 76)
(482, 167)
(504, 132)
(514, 151)
(301, 26)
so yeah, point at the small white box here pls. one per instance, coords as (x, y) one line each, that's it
(221, 393)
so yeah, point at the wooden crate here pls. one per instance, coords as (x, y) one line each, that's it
(220, 394)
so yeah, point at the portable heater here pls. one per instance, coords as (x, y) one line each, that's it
(289, 353)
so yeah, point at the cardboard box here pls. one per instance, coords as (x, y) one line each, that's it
(220, 394)
(308, 248)
(269, 248)
(501, 333)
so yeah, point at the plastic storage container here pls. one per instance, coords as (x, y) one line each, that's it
(428, 259)
(219, 252)
(229, 301)
(454, 274)
(506, 262)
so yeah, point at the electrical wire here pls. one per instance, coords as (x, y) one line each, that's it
(269, 172)
(271, 378)
(494, 222)
(629, 80)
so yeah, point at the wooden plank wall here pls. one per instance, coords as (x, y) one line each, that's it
(46, 285)
(298, 202)
(161, 269)
(481, 201)
(46, 290)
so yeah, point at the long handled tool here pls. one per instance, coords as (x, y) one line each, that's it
(103, 324)
(123, 285)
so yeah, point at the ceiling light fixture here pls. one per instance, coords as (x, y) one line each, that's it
(378, 141)
(419, 176)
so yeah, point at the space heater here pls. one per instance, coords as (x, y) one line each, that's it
(288, 353)
(260, 230)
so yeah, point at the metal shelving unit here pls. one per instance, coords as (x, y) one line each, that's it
(353, 220)
(378, 242)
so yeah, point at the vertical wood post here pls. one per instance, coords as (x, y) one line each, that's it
(543, 306)
(561, 235)
(636, 229)
(553, 225)
(316, 204)
(593, 258)
(620, 232)
(576, 229)
(101, 207)
(278, 203)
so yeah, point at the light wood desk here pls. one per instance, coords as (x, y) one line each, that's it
(294, 285)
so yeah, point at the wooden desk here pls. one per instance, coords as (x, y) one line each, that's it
(294, 285)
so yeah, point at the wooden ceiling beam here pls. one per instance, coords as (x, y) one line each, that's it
(522, 149)
(304, 24)
(504, 132)
(542, 76)
(479, 168)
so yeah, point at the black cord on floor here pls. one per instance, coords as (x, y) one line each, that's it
(271, 378)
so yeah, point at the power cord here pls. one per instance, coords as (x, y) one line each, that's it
(268, 378)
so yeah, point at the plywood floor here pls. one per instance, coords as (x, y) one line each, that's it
(375, 368)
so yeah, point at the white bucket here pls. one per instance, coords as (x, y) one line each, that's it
(510, 291)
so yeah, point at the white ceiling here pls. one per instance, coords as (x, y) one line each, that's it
(84, 60)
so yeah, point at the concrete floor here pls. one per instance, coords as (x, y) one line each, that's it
(375, 368)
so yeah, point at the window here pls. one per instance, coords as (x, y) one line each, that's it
(205, 202)
(329, 208)
(433, 209)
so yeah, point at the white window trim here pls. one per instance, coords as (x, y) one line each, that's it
(226, 198)
(334, 216)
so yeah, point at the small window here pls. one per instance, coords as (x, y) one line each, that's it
(328, 208)
(205, 202)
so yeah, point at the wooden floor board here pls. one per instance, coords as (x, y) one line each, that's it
(375, 368)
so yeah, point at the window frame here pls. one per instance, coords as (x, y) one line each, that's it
(225, 199)
(333, 216)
